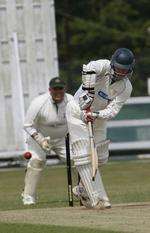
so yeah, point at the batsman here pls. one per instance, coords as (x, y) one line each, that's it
(104, 90)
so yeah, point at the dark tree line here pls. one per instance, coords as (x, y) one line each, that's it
(93, 29)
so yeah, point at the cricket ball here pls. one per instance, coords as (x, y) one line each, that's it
(27, 155)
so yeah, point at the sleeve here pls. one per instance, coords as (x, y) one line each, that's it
(100, 66)
(91, 71)
(31, 116)
(115, 105)
(78, 93)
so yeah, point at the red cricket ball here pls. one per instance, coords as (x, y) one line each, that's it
(27, 155)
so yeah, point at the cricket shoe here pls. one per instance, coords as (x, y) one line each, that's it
(81, 194)
(103, 204)
(27, 199)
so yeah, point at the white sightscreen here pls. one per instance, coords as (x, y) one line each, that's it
(28, 57)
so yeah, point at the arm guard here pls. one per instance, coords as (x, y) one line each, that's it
(91, 71)
(88, 78)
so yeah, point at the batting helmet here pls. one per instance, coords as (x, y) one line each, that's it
(122, 63)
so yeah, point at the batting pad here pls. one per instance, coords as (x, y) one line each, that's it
(102, 151)
(33, 175)
(95, 189)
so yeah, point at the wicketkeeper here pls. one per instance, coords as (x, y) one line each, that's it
(46, 128)
(104, 90)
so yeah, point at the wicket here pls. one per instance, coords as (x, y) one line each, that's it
(69, 173)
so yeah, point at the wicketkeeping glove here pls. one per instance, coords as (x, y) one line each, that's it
(44, 142)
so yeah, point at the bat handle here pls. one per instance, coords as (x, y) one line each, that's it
(90, 129)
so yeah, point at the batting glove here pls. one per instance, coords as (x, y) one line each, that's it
(85, 100)
(88, 116)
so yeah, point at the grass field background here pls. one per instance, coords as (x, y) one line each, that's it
(127, 181)
(29, 228)
(124, 181)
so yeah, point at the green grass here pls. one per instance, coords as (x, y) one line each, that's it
(128, 181)
(29, 228)
(124, 181)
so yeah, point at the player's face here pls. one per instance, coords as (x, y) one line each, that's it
(120, 73)
(57, 94)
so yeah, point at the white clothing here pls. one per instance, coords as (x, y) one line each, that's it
(49, 119)
(110, 97)
(108, 100)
